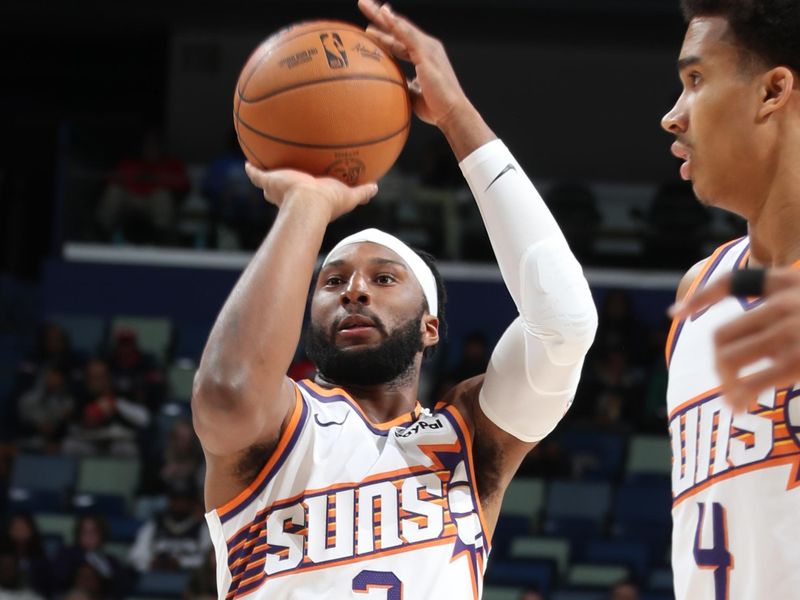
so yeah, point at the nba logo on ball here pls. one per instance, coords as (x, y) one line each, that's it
(324, 98)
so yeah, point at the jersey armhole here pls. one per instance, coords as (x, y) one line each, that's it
(282, 450)
(465, 438)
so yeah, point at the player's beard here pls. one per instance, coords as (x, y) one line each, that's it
(391, 360)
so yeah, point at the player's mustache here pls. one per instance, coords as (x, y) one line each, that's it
(362, 312)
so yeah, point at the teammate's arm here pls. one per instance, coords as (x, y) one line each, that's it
(241, 394)
(534, 369)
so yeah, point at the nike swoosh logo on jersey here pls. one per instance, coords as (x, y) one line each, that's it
(506, 169)
(329, 423)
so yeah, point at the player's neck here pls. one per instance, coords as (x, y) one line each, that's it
(383, 402)
(773, 227)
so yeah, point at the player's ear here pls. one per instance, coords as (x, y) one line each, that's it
(430, 330)
(775, 88)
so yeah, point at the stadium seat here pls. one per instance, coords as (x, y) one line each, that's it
(536, 547)
(86, 332)
(31, 501)
(163, 584)
(181, 378)
(631, 553)
(119, 550)
(521, 573)
(43, 473)
(642, 512)
(648, 455)
(643, 504)
(577, 595)
(57, 525)
(595, 576)
(595, 455)
(657, 596)
(579, 499)
(524, 497)
(104, 504)
(660, 580)
(123, 529)
(491, 592)
(154, 334)
(114, 476)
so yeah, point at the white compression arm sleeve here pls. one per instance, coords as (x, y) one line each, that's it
(534, 370)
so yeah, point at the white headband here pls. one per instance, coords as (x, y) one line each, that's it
(417, 266)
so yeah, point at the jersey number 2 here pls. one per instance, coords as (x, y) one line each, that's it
(717, 557)
(368, 580)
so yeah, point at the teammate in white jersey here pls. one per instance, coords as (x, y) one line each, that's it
(343, 487)
(736, 484)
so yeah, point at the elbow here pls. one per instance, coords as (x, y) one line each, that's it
(581, 328)
(213, 391)
(568, 327)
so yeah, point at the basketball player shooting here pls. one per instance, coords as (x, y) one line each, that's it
(735, 472)
(344, 487)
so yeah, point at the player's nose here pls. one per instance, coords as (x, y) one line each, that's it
(675, 120)
(356, 290)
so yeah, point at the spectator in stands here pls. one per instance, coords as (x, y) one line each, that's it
(183, 456)
(674, 209)
(618, 326)
(531, 594)
(22, 539)
(52, 349)
(176, 538)
(203, 583)
(88, 580)
(12, 584)
(624, 590)
(141, 199)
(548, 460)
(234, 202)
(45, 410)
(612, 387)
(474, 361)
(134, 373)
(108, 423)
(76, 594)
(90, 538)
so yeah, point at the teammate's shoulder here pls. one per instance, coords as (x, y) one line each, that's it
(699, 267)
(689, 277)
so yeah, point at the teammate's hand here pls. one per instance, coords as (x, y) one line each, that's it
(435, 90)
(771, 331)
(281, 184)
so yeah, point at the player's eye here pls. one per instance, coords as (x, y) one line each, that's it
(694, 78)
(385, 278)
(333, 280)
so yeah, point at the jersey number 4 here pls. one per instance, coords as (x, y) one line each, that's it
(716, 557)
(385, 580)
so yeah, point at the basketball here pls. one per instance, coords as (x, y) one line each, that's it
(323, 98)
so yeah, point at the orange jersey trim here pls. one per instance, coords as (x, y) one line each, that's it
(282, 449)
(677, 324)
(465, 431)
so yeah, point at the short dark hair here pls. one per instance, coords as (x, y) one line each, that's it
(441, 299)
(767, 28)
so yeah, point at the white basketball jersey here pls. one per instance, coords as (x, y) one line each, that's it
(346, 508)
(736, 501)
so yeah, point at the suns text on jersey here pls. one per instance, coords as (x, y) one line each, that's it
(710, 442)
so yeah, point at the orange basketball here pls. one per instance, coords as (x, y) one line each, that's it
(323, 98)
